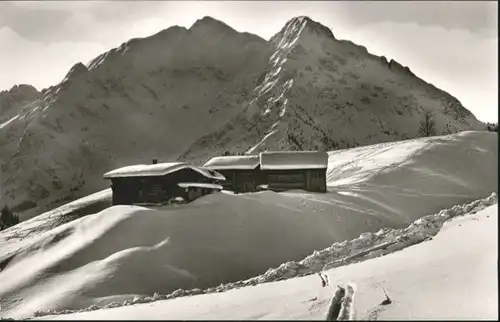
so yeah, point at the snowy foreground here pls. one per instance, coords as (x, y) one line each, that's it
(122, 255)
(452, 275)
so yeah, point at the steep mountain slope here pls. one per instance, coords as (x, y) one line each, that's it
(194, 93)
(147, 98)
(16, 98)
(324, 93)
(15, 104)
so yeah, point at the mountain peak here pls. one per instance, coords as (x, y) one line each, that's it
(20, 90)
(17, 96)
(23, 88)
(77, 70)
(296, 26)
(208, 21)
(395, 66)
(312, 26)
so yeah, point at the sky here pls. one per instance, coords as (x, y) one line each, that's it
(451, 44)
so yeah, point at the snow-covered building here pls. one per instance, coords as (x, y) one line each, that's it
(277, 171)
(241, 172)
(161, 182)
(287, 170)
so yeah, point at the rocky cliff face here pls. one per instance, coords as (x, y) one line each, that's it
(194, 93)
(16, 105)
(323, 93)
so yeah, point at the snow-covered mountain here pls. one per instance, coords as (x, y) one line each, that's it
(194, 93)
(323, 93)
(148, 98)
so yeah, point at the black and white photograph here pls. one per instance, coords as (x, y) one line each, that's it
(248, 160)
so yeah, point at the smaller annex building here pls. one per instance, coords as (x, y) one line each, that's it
(277, 171)
(287, 170)
(161, 182)
(241, 172)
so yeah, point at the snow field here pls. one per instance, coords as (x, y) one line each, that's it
(340, 254)
(190, 249)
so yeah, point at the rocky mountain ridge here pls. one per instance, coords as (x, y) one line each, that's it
(192, 93)
(318, 89)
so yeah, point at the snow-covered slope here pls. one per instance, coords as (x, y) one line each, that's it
(195, 93)
(20, 236)
(453, 276)
(388, 182)
(221, 238)
(395, 177)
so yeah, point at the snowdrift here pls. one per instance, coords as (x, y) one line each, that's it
(126, 252)
(15, 238)
(406, 180)
(134, 250)
(451, 276)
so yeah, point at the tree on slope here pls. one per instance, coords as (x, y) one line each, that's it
(492, 127)
(7, 218)
(428, 125)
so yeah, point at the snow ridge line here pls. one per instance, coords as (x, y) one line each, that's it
(367, 245)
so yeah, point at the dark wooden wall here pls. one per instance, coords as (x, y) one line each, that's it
(130, 190)
(313, 180)
(228, 184)
(282, 180)
(317, 180)
(239, 180)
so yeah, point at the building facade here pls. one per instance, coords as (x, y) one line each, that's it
(242, 173)
(158, 182)
(277, 171)
(291, 170)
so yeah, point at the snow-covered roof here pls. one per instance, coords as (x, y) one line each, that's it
(287, 160)
(200, 185)
(240, 162)
(160, 169)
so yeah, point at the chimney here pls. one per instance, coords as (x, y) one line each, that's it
(155, 161)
